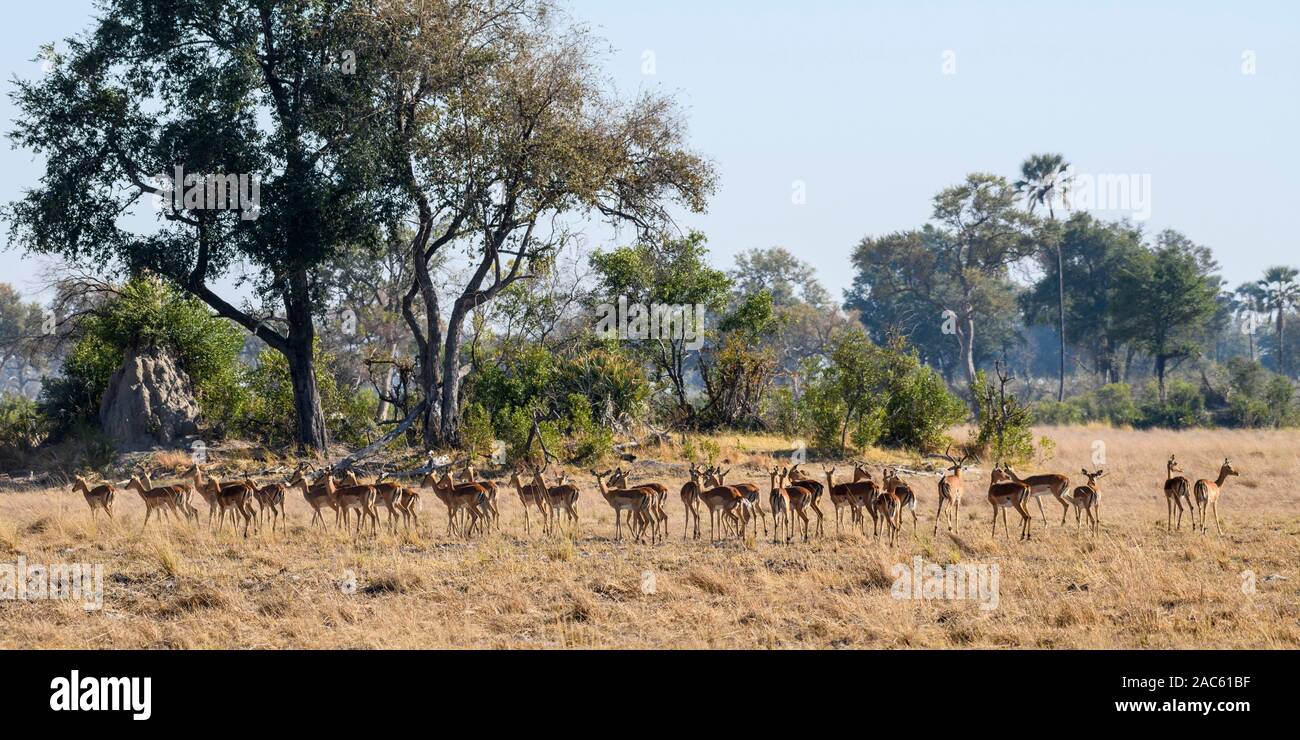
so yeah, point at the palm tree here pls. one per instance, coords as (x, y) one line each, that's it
(1281, 292)
(1045, 179)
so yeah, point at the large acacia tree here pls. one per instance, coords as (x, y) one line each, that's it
(252, 87)
(498, 132)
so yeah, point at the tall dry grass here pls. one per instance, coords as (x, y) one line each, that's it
(1134, 585)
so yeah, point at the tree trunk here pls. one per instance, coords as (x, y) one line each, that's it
(1160, 377)
(1281, 341)
(449, 423)
(301, 340)
(967, 341)
(1060, 281)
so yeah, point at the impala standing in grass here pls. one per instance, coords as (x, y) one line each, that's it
(99, 497)
(1178, 489)
(1011, 494)
(1087, 498)
(1207, 495)
(951, 487)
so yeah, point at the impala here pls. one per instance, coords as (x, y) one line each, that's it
(99, 497)
(237, 496)
(468, 497)
(887, 513)
(154, 500)
(691, 500)
(865, 490)
(951, 487)
(1010, 494)
(779, 500)
(799, 478)
(181, 497)
(638, 502)
(1041, 485)
(319, 495)
(801, 497)
(361, 499)
(1087, 498)
(1207, 495)
(1177, 489)
(905, 495)
(844, 494)
(470, 476)
(410, 507)
(270, 499)
(387, 493)
(657, 503)
(531, 494)
(749, 490)
(562, 496)
(200, 484)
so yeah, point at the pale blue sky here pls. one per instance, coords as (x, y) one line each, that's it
(851, 98)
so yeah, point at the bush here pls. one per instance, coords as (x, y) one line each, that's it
(869, 394)
(1184, 408)
(1005, 431)
(269, 413)
(22, 429)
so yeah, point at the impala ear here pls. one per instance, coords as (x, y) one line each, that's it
(1085, 471)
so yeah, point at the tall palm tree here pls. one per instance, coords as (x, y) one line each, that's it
(1281, 293)
(1045, 180)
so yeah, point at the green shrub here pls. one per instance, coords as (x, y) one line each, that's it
(269, 413)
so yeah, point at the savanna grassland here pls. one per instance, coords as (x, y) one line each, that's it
(1132, 586)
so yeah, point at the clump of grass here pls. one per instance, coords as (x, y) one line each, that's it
(172, 459)
(198, 597)
(41, 525)
(560, 549)
(8, 537)
(398, 582)
(168, 559)
(709, 581)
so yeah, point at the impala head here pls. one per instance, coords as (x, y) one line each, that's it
(136, 484)
(1092, 477)
(79, 484)
(1172, 466)
(999, 475)
(1227, 469)
(956, 466)
(619, 478)
(350, 478)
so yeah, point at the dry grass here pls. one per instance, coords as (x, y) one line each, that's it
(1132, 586)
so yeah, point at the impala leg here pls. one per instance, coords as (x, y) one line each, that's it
(1041, 513)
(1217, 526)
(937, 515)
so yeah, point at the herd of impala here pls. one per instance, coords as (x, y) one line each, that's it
(794, 497)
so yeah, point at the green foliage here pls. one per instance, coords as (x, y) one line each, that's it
(581, 399)
(869, 394)
(1183, 408)
(22, 429)
(269, 415)
(1005, 431)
